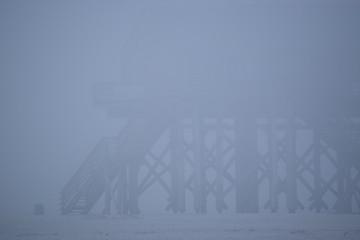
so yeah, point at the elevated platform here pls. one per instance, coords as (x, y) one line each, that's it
(257, 102)
(126, 101)
(226, 139)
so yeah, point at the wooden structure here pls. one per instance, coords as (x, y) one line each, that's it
(213, 151)
(286, 127)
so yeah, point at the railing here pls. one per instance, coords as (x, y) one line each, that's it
(85, 171)
(112, 93)
(135, 139)
(72, 191)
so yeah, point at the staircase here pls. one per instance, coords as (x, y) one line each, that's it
(88, 183)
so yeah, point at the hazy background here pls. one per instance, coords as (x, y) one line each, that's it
(51, 52)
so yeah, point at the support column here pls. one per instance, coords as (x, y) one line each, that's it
(107, 207)
(343, 180)
(178, 165)
(220, 204)
(199, 168)
(108, 191)
(348, 182)
(274, 201)
(291, 165)
(133, 188)
(122, 194)
(246, 165)
(317, 168)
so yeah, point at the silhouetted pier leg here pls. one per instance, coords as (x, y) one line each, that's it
(343, 181)
(340, 205)
(122, 190)
(246, 165)
(108, 192)
(107, 207)
(348, 185)
(291, 165)
(133, 188)
(199, 168)
(220, 204)
(274, 201)
(178, 168)
(349, 190)
(317, 169)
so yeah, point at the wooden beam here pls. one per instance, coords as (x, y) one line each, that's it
(274, 191)
(246, 165)
(291, 164)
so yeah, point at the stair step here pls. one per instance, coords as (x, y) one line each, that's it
(87, 185)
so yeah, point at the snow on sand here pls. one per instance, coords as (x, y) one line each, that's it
(210, 226)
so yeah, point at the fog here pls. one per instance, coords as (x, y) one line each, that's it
(53, 53)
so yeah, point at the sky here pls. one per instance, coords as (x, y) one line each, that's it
(51, 53)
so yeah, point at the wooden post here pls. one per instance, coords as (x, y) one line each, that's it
(291, 173)
(180, 169)
(108, 193)
(349, 190)
(122, 195)
(107, 200)
(317, 167)
(348, 184)
(178, 164)
(199, 171)
(343, 180)
(340, 205)
(174, 178)
(274, 201)
(133, 188)
(220, 205)
(239, 202)
(246, 165)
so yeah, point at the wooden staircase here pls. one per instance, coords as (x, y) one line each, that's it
(88, 183)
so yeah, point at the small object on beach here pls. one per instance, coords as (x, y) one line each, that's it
(39, 209)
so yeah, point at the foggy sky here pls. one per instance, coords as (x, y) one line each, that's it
(51, 53)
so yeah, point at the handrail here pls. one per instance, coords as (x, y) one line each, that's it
(85, 171)
(86, 164)
(136, 134)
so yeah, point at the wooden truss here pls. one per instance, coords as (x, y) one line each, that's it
(202, 158)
